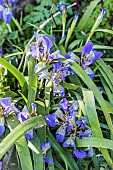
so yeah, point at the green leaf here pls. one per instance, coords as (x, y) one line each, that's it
(49, 154)
(93, 120)
(106, 78)
(104, 30)
(16, 73)
(32, 81)
(73, 44)
(21, 144)
(107, 70)
(65, 155)
(37, 158)
(19, 131)
(82, 23)
(103, 47)
(69, 86)
(107, 90)
(47, 95)
(95, 142)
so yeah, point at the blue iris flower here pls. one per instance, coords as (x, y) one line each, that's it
(69, 141)
(59, 90)
(89, 54)
(90, 152)
(60, 134)
(63, 104)
(52, 119)
(62, 6)
(48, 160)
(45, 146)
(79, 153)
(7, 15)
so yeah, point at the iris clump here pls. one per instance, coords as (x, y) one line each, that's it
(69, 125)
(6, 12)
(48, 69)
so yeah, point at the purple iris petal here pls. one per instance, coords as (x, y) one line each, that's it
(90, 152)
(8, 106)
(68, 142)
(73, 108)
(45, 74)
(60, 134)
(29, 135)
(51, 119)
(64, 104)
(79, 153)
(34, 50)
(0, 165)
(71, 56)
(71, 122)
(22, 116)
(96, 56)
(33, 105)
(100, 17)
(5, 102)
(48, 160)
(1, 12)
(82, 122)
(57, 67)
(86, 133)
(87, 48)
(2, 2)
(55, 55)
(47, 43)
(45, 146)
(0, 50)
(62, 6)
(59, 90)
(89, 72)
(7, 15)
(39, 67)
(100, 89)
(59, 113)
(76, 16)
(2, 127)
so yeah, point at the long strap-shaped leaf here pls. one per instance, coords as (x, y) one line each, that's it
(94, 122)
(32, 81)
(95, 142)
(107, 70)
(21, 145)
(15, 72)
(87, 14)
(20, 130)
(81, 73)
(66, 156)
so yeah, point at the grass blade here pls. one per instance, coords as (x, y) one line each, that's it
(32, 81)
(82, 23)
(21, 145)
(16, 73)
(93, 120)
